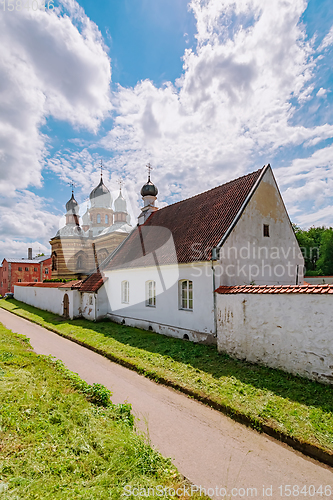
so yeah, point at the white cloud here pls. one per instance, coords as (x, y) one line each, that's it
(321, 92)
(25, 216)
(47, 68)
(231, 110)
(327, 41)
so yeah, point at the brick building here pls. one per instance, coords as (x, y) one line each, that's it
(20, 270)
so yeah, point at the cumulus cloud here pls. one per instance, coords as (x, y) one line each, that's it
(233, 108)
(25, 217)
(48, 67)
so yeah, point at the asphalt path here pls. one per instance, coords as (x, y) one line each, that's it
(211, 450)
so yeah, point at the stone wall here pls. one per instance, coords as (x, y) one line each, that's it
(290, 331)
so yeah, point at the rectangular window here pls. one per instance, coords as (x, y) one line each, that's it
(26, 269)
(35, 280)
(151, 293)
(266, 230)
(125, 292)
(35, 269)
(46, 271)
(20, 268)
(19, 281)
(186, 295)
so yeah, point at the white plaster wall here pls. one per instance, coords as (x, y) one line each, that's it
(87, 310)
(48, 299)
(102, 302)
(292, 332)
(247, 256)
(319, 280)
(166, 317)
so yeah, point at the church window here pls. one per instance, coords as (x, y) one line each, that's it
(79, 262)
(20, 268)
(26, 269)
(54, 262)
(125, 292)
(186, 295)
(266, 230)
(98, 218)
(151, 293)
(106, 219)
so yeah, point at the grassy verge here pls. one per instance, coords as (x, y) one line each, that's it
(63, 439)
(293, 406)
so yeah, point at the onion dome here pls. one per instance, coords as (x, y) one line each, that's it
(149, 189)
(72, 205)
(120, 204)
(100, 196)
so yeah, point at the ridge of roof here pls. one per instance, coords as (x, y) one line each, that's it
(210, 190)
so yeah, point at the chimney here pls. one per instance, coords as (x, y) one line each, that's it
(30, 253)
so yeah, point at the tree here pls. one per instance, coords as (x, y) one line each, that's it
(325, 261)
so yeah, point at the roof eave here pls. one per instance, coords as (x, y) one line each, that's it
(242, 208)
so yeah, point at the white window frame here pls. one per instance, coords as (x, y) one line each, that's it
(185, 293)
(125, 292)
(98, 218)
(150, 293)
(106, 219)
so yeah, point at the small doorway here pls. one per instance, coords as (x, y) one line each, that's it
(66, 306)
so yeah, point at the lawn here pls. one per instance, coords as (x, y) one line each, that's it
(293, 406)
(63, 439)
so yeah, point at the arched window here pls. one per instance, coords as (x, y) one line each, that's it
(185, 291)
(79, 263)
(106, 219)
(125, 292)
(54, 262)
(151, 293)
(98, 218)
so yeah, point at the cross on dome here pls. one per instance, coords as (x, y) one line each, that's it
(150, 168)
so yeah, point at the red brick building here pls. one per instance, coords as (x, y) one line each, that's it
(14, 271)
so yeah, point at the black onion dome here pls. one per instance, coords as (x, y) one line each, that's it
(72, 205)
(149, 189)
(100, 196)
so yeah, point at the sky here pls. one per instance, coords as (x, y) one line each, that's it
(205, 90)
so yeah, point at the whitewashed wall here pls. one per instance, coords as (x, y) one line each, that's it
(166, 318)
(248, 256)
(48, 299)
(292, 332)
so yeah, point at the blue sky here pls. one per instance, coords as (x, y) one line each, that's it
(205, 91)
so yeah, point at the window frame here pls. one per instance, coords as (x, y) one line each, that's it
(125, 292)
(98, 219)
(150, 293)
(266, 230)
(185, 301)
(106, 219)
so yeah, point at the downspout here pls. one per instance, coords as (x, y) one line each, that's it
(214, 258)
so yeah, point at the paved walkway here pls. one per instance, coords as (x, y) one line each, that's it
(208, 448)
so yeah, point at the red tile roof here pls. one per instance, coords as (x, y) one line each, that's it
(197, 225)
(93, 282)
(71, 284)
(275, 289)
(38, 284)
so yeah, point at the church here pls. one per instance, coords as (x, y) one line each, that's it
(78, 247)
(164, 274)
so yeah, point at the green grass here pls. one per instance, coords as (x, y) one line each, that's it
(292, 405)
(56, 444)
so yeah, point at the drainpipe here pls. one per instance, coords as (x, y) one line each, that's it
(214, 258)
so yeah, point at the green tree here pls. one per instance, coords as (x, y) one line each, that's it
(325, 261)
